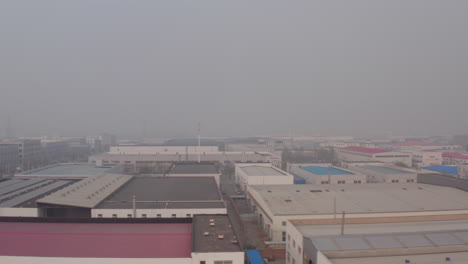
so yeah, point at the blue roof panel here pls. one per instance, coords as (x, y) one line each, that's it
(444, 169)
(325, 170)
(254, 257)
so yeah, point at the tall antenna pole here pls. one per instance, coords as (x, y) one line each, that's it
(199, 142)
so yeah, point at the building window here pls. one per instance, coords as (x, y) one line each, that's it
(294, 244)
(341, 182)
(129, 215)
(293, 261)
(174, 215)
(324, 182)
(223, 262)
(410, 180)
(158, 215)
(288, 257)
(202, 262)
(299, 249)
(143, 215)
(99, 215)
(284, 223)
(357, 182)
(283, 237)
(114, 216)
(289, 237)
(395, 181)
(188, 215)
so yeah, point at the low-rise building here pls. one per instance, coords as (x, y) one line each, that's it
(385, 174)
(207, 239)
(124, 196)
(350, 155)
(326, 174)
(247, 174)
(433, 239)
(9, 158)
(274, 205)
(193, 169)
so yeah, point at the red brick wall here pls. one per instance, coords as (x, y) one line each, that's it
(273, 253)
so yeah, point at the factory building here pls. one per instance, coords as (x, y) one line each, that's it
(137, 162)
(326, 174)
(454, 158)
(124, 196)
(9, 158)
(361, 155)
(248, 174)
(207, 239)
(385, 174)
(274, 205)
(428, 239)
(18, 196)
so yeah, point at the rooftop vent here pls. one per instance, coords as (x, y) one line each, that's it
(206, 233)
(297, 191)
(212, 224)
(315, 191)
(448, 259)
(234, 241)
(268, 191)
(221, 237)
(288, 200)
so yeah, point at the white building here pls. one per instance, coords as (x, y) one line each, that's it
(350, 155)
(326, 174)
(385, 174)
(274, 205)
(429, 239)
(247, 174)
(154, 150)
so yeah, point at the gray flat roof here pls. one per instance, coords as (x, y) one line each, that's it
(256, 170)
(308, 199)
(194, 169)
(166, 192)
(456, 258)
(211, 242)
(385, 170)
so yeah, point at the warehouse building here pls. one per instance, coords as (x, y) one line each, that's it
(326, 174)
(353, 155)
(18, 196)
(247, 174)
(124, 196)
(385, 174)
(378, 240)
(208, 239)
(274, 205)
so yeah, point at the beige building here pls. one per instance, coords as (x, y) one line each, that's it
(274, 205)
(350, 155)
(326, 174)
(247, 174)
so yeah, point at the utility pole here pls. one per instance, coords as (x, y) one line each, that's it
(199, 142)
(134, 206)
(342, 223)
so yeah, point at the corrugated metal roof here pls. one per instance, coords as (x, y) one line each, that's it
(88, 192)
(444, 169)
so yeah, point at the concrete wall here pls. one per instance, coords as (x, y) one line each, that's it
(294, 244)
(152, 150)
(152, 213)
(22, 212)
(211, 257)
(245, 180)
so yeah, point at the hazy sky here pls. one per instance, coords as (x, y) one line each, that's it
(239, 67)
